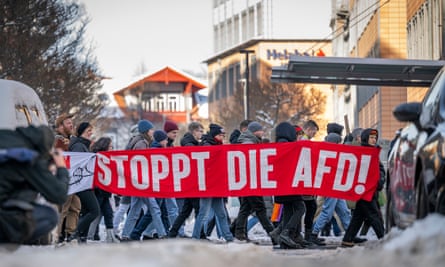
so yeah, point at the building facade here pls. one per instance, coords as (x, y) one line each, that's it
(227, 70)
(370, 29)
(167, 94)
(238, 21)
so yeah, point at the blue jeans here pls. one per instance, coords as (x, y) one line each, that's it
(327, 211)
(172, 213)
(205, 207)
(137, 204)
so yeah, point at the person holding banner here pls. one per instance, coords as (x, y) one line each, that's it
(89, 205)
(190, 138)
(366, 210)
(145, 226)
(142, 141)
(70, 210)
(331, 205)
(216, 204)
(287, 234)
(310, 129)
(103, 198)
(250, 204)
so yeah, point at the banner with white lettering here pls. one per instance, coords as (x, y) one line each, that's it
(81, 169)
(303, 167)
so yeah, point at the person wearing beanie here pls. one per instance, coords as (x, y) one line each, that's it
(255, 127)
(214, 137)
(143, 139)
(171, 128)
(160, 139)
(89, 204)
(81, 142)
(132, 230)
(158, 207)
(250, 204)
(144, 126)
(334, 127)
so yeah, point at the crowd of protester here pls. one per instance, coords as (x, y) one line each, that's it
(291, 221)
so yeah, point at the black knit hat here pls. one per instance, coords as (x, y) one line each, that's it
(334, 127)
(215, 129)
(82, 127)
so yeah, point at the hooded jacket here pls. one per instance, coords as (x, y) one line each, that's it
(365, 138)
(285, 132)
(24, 181)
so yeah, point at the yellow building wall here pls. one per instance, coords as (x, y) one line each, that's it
(388, 28)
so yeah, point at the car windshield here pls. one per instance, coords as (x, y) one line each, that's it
(431, 101)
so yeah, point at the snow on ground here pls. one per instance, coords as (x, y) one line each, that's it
(423, 244)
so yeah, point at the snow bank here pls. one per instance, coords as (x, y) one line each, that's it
(423, 244)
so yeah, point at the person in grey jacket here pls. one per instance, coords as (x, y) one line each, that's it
(252, 135)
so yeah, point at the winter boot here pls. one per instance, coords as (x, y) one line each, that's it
(298, 238)
(111, 238)
(313, 238)
(286, 239)
(275, 235)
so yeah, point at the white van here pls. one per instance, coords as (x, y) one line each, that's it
(19, 106)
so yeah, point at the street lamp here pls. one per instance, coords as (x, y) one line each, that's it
(246, 87)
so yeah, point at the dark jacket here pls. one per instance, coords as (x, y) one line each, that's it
(189, 140)
(79, 144)
(208, 140)
(24, 181)
(365, 137)
(285, 132)
(234, 136)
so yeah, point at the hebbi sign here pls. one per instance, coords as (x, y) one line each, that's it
(304, 167)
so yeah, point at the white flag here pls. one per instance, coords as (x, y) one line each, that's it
(81, 169)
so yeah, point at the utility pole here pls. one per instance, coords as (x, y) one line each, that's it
(246, 87)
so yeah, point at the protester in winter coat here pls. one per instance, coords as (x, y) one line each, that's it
(103, 198)
(250, 204)
(233, 139)
(331, 205)
(368, 210)
(89, 205)
(287, 234)
(214, 137)
(70, 210)
(24, 176)
(142, 141)
(145, 225)
(171, 129)
(310, 129)
(191, 138)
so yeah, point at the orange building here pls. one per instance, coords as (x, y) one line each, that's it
(167, 94)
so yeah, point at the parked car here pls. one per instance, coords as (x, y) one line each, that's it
(416, 163)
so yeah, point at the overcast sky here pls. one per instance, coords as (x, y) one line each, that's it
(178, 33)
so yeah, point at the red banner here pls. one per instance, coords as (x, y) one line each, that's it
(303, 167)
